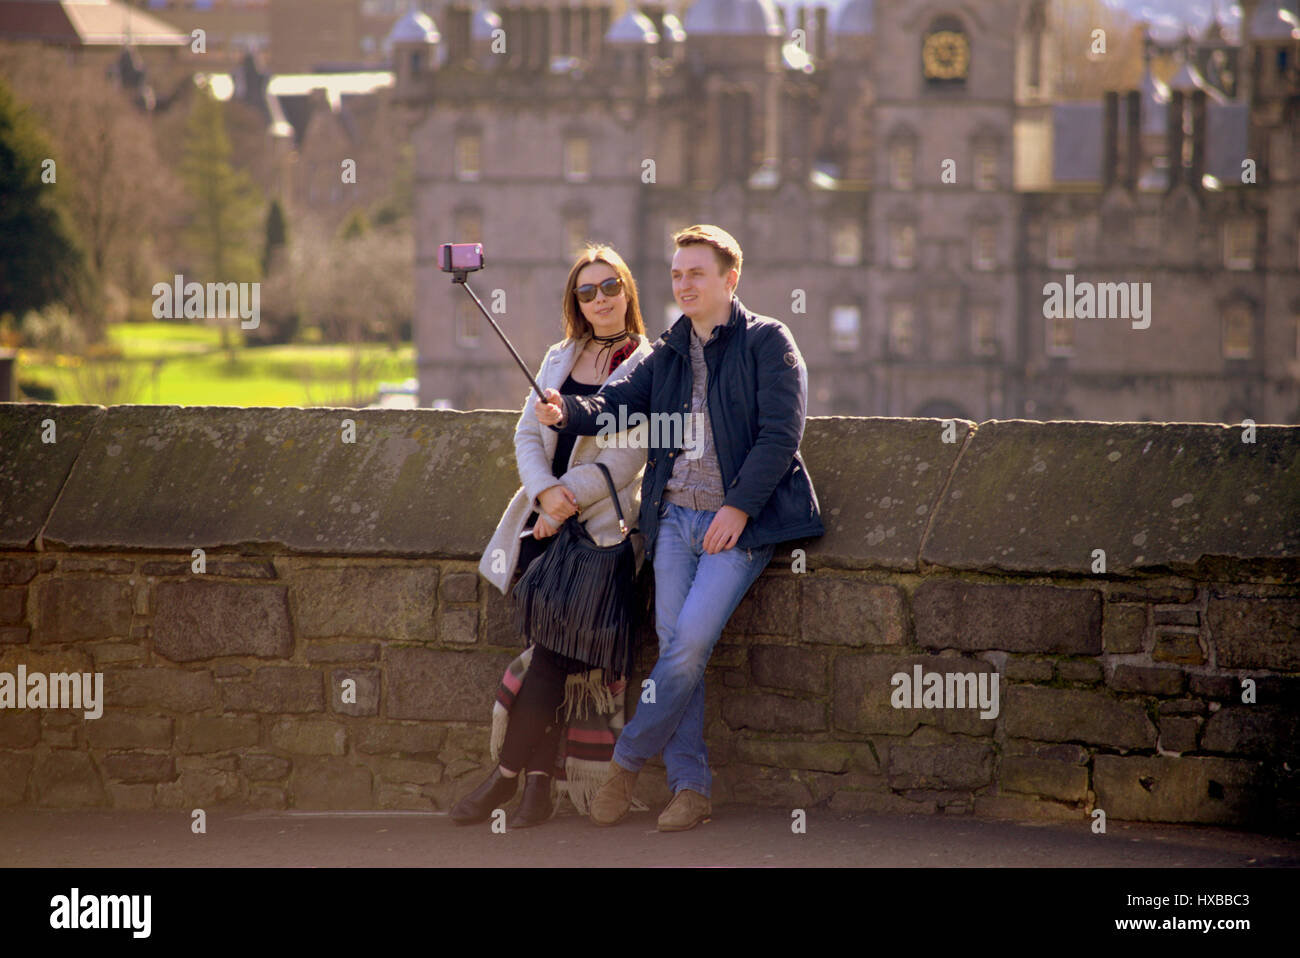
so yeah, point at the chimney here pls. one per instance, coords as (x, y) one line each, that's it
(1174, 137)
(1133, 156)
(1198, 138)
(1109, 139)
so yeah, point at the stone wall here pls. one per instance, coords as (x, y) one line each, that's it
(343, 544)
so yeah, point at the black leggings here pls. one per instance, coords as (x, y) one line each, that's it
(533, 735)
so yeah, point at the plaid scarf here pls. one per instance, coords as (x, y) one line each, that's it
(593, 715)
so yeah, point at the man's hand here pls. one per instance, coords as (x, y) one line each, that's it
(558, 502)
(550, 409)
(725, 529)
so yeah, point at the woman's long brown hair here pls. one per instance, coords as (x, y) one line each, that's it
(576, 325)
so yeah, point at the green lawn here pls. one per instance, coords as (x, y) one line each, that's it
(183, 365)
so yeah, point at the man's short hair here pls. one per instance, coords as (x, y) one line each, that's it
(725, 247)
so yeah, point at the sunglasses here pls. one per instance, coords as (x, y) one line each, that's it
(610, 287)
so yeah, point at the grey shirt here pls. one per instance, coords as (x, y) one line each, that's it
(697, 483)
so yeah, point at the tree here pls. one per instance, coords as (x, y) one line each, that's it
(41, 259)
(277, 235)
(225, 203)
(120, 191)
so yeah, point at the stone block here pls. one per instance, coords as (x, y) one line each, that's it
(1151, 681)
(838, 610)
(1182, 648)
(393, 602)
(201, 619)
(442, 685)
(816, 756)
(1123, 627)
(127, 731)
(772, 713)
(960, 765)
(67, 779)
(134, 767)
(1255, 730)
(459, 587)
(1013, 618)
(330, 783)
(1255, 633)
(264, 768)
(1178, 733)
(1056, 780)
(1189, 789)
(309, 737)
(276, 689)
(392, 738)
(458, 626)
(788, 667)
(74, 608)
(176, 690)
(770, 607)
(15, 769)
(206, 733)
(1068, 715)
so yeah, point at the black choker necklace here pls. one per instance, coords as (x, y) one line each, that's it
(609, 343)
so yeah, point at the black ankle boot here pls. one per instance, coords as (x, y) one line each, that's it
(479, 804)
(535, 807)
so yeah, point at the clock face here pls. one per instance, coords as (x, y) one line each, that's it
(945, 55)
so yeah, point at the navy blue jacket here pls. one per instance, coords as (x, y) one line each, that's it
(757, 396)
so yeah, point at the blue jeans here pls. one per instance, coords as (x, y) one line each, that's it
(695, 594)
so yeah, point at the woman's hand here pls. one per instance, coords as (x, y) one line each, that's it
(543, 527)
(558, 501)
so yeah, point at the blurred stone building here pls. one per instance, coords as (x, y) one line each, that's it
(905, 184)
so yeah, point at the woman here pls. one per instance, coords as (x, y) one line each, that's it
(542, 692)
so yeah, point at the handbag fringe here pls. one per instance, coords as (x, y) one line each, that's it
(576, 600)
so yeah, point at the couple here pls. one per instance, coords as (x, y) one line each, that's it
(710, 518)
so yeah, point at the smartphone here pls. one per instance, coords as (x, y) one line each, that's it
(460, 257)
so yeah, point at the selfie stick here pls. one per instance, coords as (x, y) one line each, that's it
(459, 276)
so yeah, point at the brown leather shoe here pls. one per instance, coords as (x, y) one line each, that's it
(614, 798)
(687, 809)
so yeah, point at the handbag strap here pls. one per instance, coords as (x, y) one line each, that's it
(613, 494)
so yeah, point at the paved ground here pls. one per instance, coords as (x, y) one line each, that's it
(737, 836)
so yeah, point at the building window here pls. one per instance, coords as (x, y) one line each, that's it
(577, 159)
(984, 252)
(469, 226)
(1060, 243)
(1239, 244)
(468, 148)
(845, 323)
(901, 341)
(986, 166)
(902, 164)
(1060, 336)
(846, 244)
(467, 324)
(983, 331)
(902, 245)
(1238, 338)
(575, 233)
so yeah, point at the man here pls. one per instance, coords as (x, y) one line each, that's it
(710, 520)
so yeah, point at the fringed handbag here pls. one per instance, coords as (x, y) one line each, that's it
(582, 600)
